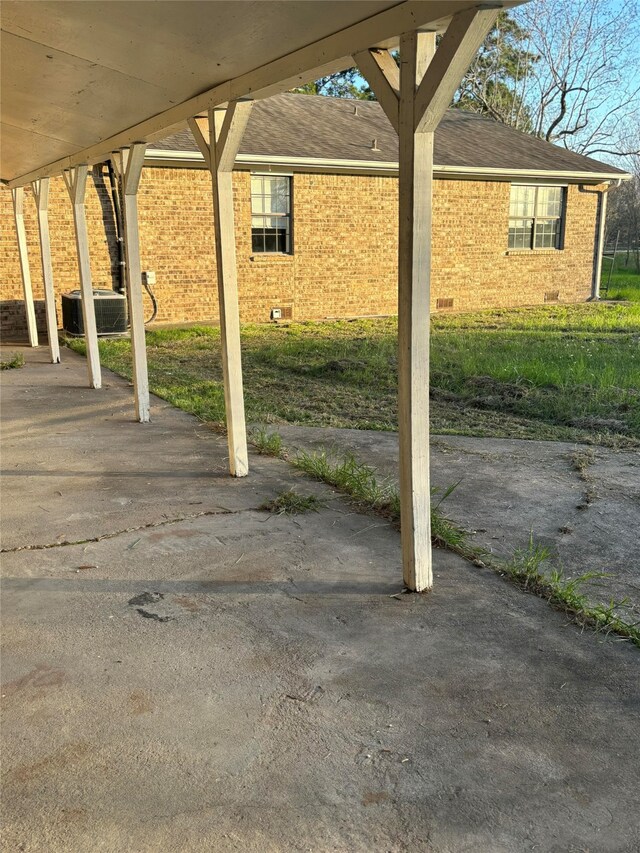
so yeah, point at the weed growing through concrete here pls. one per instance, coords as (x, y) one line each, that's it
(266, 443)
(292, 503)
(349, 476)
(581, 460)
(16, 361)
(359, 482)
(526, 568)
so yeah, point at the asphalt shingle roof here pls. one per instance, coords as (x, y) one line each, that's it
(293, 125)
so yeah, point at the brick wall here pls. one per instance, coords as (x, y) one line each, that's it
(344, 238)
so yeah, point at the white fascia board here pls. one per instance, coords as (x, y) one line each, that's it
(194, 159)
(531, 174)
(178, 159)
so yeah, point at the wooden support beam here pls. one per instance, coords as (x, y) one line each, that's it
(415, 99)
(76, 181)
(219, 139)
(17, 195)
(464, 35)
(41, 194)
(414, 288)
(129, 164)
(381, 72)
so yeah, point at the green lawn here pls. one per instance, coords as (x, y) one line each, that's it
(555, 372)
(625, 278)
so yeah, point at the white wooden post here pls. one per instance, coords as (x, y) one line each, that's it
(129, 163)
(219, 138)
(17, 195)
(414, 289)
(76, 181)
(415, 99)
(41, 194)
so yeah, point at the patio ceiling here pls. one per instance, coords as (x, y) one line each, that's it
(80, 79)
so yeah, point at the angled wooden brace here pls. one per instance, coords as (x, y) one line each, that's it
(41, 194)
(464, 35)
(381, 71)
(128, 163)
(76, 181)
(17, 196)
(414, 98)
(219, 137)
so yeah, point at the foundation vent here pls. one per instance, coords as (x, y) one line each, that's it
(444, 302)
(552, 296)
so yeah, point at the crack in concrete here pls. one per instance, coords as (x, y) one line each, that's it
(112, 535)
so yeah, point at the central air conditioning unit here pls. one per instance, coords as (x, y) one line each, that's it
(110, 308)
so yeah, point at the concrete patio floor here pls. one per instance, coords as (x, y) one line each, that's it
(196, 674)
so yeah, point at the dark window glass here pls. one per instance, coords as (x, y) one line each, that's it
(271, 213)
(535, 217)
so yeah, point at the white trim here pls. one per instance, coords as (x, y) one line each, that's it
(537, 183)
(282, 173)
(193, 159)
(542, 174)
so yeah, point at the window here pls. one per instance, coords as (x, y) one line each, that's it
(535, 217)
(271, 213)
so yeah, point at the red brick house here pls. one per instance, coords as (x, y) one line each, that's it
(516, 220)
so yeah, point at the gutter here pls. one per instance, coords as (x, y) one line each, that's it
(194, 159)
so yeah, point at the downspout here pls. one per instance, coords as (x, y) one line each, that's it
(117, 208)
(119, 228)
(599, 247)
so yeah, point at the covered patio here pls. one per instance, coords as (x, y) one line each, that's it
(114, 83)
(183, 670)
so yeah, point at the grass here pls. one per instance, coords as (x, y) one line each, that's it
(359, 482)
(532, 568)
(569, 372)
(625, 278)
(265, 442)
(292, 503)
(581, 461)
(16, 361)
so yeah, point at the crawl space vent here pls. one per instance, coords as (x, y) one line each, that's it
(444, 302)
(552, 296)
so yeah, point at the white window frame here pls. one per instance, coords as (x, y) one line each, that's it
(288, 216)
(535, 218)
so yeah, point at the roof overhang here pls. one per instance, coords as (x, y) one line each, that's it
(82, 79)
(193, 159)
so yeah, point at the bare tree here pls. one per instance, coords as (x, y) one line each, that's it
(496, 82)
(623, 210)
(584, 90)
